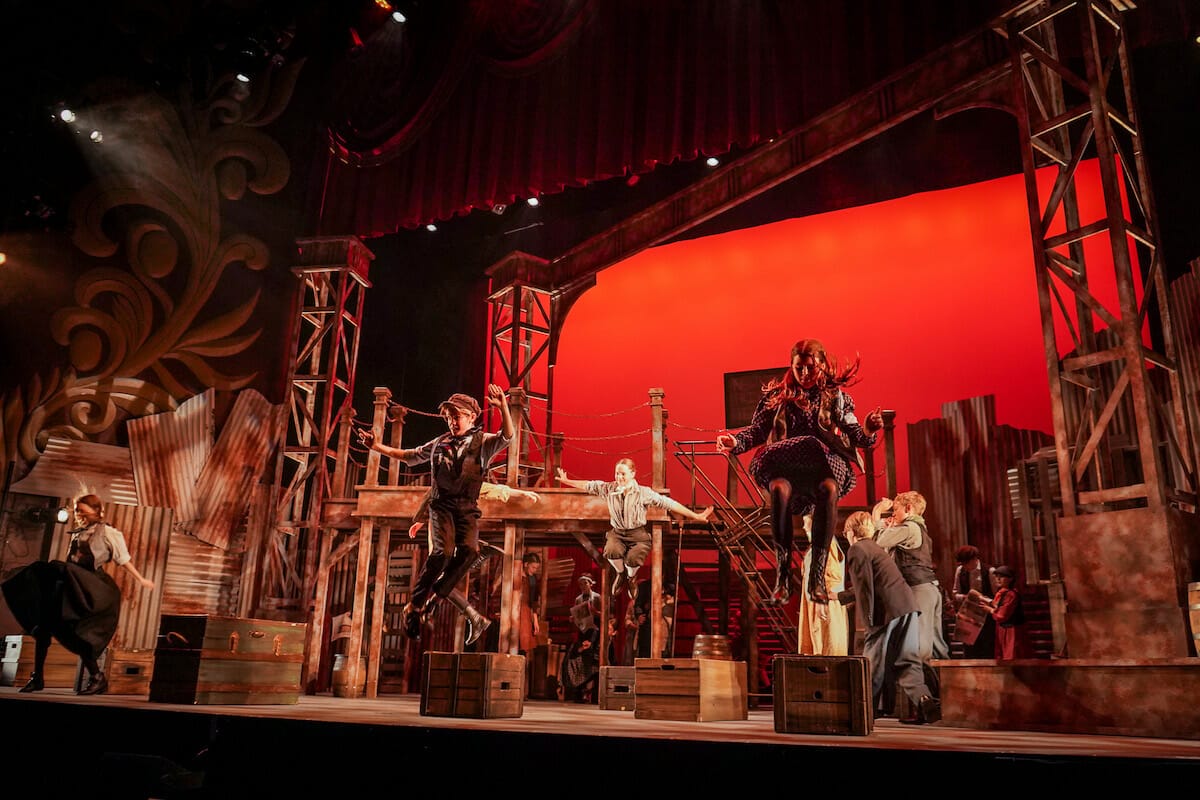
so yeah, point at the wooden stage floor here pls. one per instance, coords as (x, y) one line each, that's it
(144, 749)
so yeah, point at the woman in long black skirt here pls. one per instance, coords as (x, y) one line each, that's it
(811, 437)
(74, 601)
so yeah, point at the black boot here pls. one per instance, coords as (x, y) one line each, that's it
(35, 684)
(783, 576)
(97, 684)
(411, 618)
(818, 591)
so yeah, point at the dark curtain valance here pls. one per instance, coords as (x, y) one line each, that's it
(487, 102)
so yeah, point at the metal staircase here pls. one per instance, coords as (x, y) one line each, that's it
(742, 532)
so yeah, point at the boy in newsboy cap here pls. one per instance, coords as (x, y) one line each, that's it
(458, 461)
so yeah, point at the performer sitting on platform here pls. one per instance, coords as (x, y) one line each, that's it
(75, 601)
(811, 436)
(889, 613)
(628, 541)
(457, 461)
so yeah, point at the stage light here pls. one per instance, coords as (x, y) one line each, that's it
(713, 161)
(499, 208)
(39, 515)
(66, 115)
(3, 259)
(431, 227)
(97, 137)
(242, 77)
(399, 18)
(534, 202)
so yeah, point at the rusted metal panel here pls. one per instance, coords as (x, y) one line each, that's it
(70, 468)
(234, 466)
(1185, 312)
(169, 452)
(201, 578)
(936, 471)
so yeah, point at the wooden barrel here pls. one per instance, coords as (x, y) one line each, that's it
(711, 646)
(1194, 614)
(341, 677)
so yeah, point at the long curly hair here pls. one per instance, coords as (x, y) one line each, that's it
(830, 378)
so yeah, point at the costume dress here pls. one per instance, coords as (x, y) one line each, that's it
(75, 601)
(829, 636)
(797, 447)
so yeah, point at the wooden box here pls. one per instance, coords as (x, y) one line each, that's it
(689, 689)
(61, 670)
(128, 671)
(822, 695)
(616, 688)
(476, 685)
(204, 659)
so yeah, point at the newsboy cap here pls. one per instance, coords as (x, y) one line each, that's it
(462, 402)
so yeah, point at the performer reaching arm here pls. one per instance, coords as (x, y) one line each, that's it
(628, 541)
(457, 463)
(809, 439)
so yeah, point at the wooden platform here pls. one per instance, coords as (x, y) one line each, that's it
(384, 744)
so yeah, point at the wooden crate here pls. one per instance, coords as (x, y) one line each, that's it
(822, 695)
(689, 689)
(616, 688)
(128, 671)
(61, 670)
(475, 685)
(202, 659)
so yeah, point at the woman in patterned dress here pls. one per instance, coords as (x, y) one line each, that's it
(809, 436)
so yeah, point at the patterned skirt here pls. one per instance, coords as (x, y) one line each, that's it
(804, 461)
(77, 606)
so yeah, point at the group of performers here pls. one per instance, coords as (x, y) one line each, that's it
(804, 428)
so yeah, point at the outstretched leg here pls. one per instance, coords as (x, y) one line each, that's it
(824, 522)
(782, 533)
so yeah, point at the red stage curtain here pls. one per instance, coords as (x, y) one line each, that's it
(486, 101)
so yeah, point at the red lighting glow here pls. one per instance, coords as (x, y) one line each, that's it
(935, 291)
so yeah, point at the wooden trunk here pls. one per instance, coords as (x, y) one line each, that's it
(128, 671)
(822, 695)
(61, 670)
(476, 685)
(689, 689)
(205, 659)
(616, 688)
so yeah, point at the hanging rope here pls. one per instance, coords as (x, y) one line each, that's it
(558, 413)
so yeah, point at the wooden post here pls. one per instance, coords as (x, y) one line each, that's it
(358, 613)
(658, 418)
(516, 408)
(396, 415)
(382, 396)
(889, 444)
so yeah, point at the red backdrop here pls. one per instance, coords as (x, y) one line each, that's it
(935, 291)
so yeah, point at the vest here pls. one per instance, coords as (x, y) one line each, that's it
(917, 565)
(457, 477)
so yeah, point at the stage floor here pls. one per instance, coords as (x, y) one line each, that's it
(385, 742)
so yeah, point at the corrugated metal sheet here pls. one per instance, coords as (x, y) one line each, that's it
(169, 452)
(936, 471)
(234, 466)
(70, 468)
(1184, 298)
(200, 578)
(147, 533)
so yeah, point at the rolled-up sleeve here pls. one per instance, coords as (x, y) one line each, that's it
(116, 543)
(421, 454)
(596, 487)
(653, 498)
(493, 443)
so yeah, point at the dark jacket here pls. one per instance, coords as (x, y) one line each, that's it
(880, 591)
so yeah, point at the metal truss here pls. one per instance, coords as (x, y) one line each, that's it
(1119, 427)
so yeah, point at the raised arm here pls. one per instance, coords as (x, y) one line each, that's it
(498, 399)
(367, 437)
(561, 474)
(680, 508)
